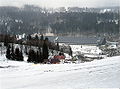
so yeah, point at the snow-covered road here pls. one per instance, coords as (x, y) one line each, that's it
(103, 73)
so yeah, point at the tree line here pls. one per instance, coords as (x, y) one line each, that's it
(16, 53)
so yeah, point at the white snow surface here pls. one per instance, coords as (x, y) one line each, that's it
(103, 73)
(85, 49)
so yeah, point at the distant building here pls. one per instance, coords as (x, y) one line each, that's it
(49, 34)
(84, 45)
(75, 40)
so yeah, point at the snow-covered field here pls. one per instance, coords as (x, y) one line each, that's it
(103, 73)
(86, 49)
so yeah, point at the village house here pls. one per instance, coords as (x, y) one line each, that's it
(75, 42)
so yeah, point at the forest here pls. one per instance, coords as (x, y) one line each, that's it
(31, 19)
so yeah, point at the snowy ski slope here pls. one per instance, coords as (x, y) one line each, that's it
(103, 73)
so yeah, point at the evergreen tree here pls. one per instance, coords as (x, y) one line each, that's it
(70, 51)
(21, 58)
(31, 56)
(40, 57)
(18, 55)
(12, 52)
(45, 51)
(17, 52)
(29, 37)
(46, 39)
(26, 50)
(8, 52)
(37, 57)
(36, 37)
(57, 46)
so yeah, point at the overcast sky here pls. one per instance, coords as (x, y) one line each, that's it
(61, 3)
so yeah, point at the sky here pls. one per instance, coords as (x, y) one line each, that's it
(61, 3)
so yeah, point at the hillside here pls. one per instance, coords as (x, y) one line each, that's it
(103, 73)
(75, 21)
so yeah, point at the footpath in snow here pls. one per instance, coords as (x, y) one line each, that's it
(103, 73)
